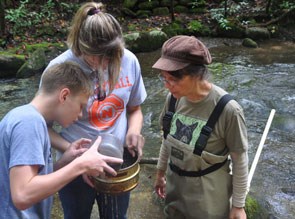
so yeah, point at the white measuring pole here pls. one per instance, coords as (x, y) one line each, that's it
(259, 149)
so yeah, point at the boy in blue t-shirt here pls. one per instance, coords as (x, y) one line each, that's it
(26, 170)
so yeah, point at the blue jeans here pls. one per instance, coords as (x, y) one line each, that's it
(77, 199)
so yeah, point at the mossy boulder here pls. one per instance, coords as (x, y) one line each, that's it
(180, 9)
(39, 55)
(258, 33)
(157, 38)
(143, 13)
(174, 29)
(198, 10)
(161, 11)
(196, 28)
(232, 29)
(145, 41)
(148, 5)
(35, 64)
(247, 42)
(9, 64)
(129, 3)
(185, 2)
(165, 3)
(128, 12)
(252, 208)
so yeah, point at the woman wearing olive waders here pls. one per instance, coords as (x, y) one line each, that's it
(204, 132)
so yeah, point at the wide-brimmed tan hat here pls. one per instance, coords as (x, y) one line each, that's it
(181, 51)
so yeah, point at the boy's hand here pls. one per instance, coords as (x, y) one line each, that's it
(95, 163)
(76, 149)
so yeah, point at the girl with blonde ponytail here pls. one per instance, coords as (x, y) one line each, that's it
(96, 43)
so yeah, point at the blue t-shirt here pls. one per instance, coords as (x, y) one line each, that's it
(24, 140)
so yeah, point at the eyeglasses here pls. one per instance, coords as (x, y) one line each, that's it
(100, 94)
(170, 82)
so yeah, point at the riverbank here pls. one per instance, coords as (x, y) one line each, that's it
(285, 32)
(199, 20)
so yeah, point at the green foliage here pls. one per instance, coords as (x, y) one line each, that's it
(198, 3)
(16, 15)
(173, 29)
(47, 9)
(45, 46)
(230, 11)
(217, 15)
(23, 18)
(287, 5)
(132, 27)
(224, 23)
(276, 7)
(68, 9)
(195, 26)
(252, 208)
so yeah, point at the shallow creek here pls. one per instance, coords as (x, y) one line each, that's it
(260, 79)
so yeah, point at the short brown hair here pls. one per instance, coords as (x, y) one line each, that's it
(200, 71)
(66, 74)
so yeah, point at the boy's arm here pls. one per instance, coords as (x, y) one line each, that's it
(28, 188)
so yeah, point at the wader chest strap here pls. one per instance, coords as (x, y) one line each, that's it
(200, 173)
(168, 116)
(203, 138)
(208, 128)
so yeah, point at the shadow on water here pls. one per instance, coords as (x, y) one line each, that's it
(260, 79)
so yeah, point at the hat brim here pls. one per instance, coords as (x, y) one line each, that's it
(169, 65)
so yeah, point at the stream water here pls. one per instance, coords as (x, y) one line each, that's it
(260, 79)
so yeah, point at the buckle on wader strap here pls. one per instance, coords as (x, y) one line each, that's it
(208, 128)
(199, 173)
(202, 140)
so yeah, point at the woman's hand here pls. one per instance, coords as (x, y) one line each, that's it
(134, 140)
(160, 184)
(135, 143)
(237, 213)
(97, 164)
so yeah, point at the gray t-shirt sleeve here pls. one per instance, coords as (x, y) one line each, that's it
(138, 92)
(236, 136)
